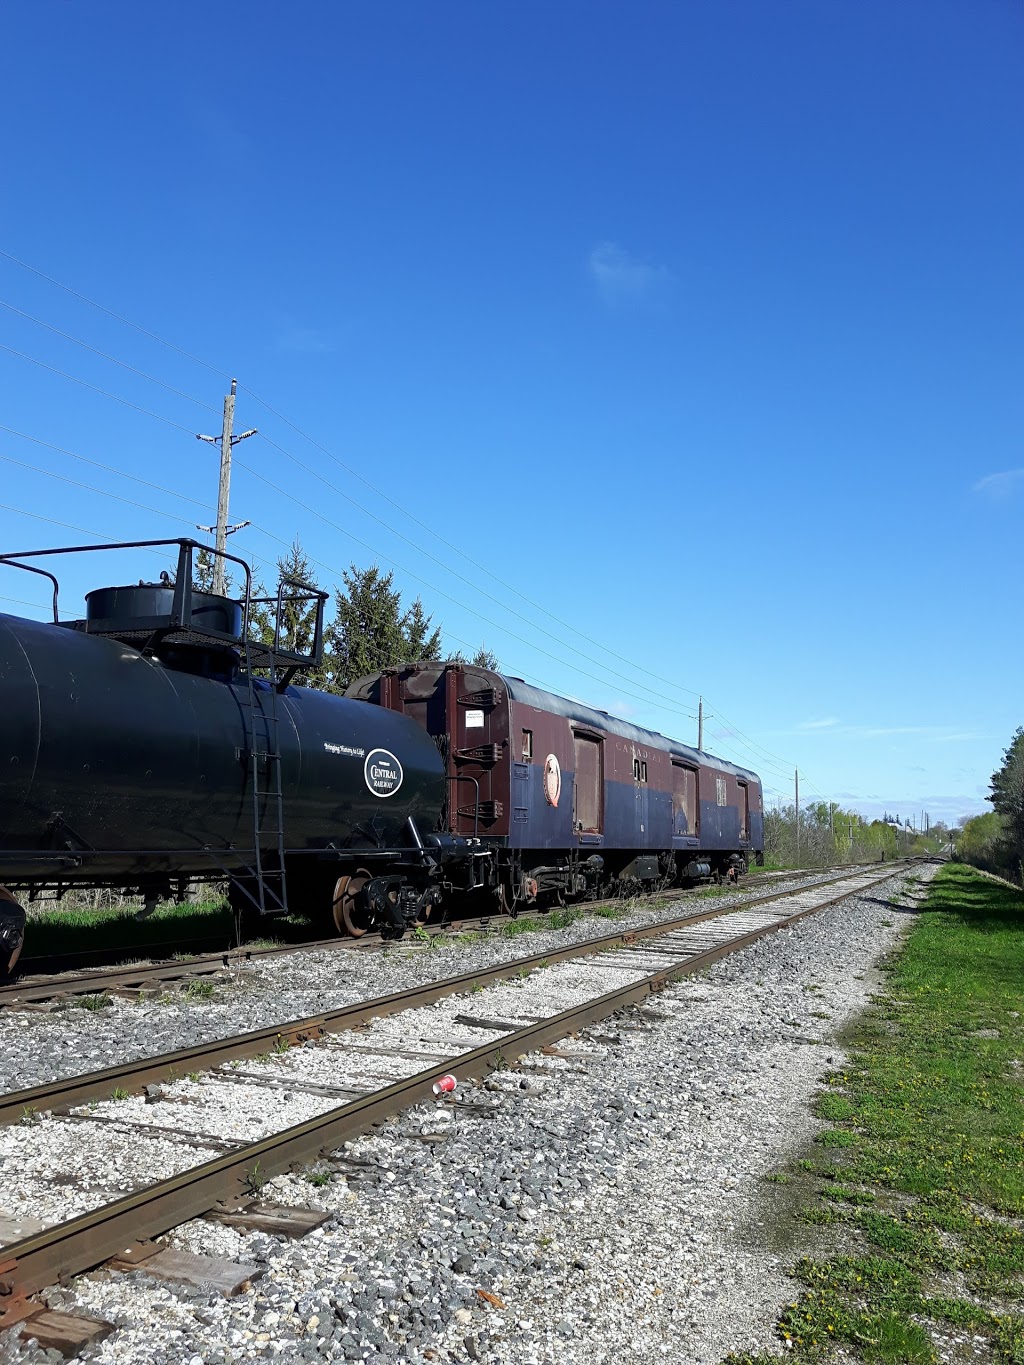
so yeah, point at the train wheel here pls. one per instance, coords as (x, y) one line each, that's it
(12, 932)
(349, 917)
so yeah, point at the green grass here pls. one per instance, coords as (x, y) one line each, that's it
(66, 929)
(925, 1190)
(86, 1002)
(199, 990)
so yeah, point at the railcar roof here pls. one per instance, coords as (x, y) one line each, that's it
(601, 720)
(519, 690)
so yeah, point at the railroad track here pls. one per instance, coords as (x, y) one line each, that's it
(259, 1103)
(43, 980)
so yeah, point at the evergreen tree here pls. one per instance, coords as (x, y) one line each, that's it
(298, 612)
(421, 642)
(370, 631)
(483, 658)
(298, 609)
(202, 570)
(1008, 799)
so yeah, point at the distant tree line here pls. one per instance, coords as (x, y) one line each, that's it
(830, 835)
(995, 841)
(367, 626)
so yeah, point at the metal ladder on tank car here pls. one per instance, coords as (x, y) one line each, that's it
(268, 900)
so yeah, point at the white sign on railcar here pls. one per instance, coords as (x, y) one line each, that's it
(383, 772)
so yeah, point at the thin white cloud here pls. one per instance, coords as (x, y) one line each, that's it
(895, 730)
(999, 485)
(624, 279)
(825, 724)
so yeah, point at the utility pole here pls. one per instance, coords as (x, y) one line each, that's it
(700, 724)
(796, 802)
(227, 442)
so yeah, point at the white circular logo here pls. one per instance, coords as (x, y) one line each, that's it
(552, 780)
(383, 772)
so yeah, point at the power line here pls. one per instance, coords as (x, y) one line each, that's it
(90, 488)
(621, 677)
(354, 473)
(103, 355)
(97, 464)
(752, 744)
(110, 312)
(116, 398)
(67, 525)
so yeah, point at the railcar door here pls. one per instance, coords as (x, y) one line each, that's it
(744, 804)
(588, 785)
(641, 826)
(685, 810)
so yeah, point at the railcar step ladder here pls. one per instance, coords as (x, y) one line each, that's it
(271, 895)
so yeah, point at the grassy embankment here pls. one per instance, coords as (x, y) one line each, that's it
(919, 1181)
(69, 929)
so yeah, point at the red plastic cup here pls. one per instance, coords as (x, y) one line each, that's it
(444, 1085)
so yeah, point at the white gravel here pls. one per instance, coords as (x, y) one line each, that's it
(600, 1199)
(37, 1047)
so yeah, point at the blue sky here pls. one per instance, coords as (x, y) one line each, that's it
(695, 328)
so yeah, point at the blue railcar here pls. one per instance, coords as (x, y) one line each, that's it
(567, 797)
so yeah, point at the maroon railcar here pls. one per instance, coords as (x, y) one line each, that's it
(566, 799)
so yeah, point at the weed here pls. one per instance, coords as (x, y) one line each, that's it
(524, 924)
(90, 1002)
(119, 1093)
(610, 911)
(198, 990)
(194, 1077)
(29, 1117)
(319, 1178)
(562, 918)
(255, 1179)
(281, 1045)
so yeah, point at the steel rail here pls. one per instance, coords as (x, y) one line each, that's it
(25, 991)
(167, 1067)
(83, 1242)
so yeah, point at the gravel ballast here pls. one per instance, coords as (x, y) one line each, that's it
(593, 1207)
(37, 1047)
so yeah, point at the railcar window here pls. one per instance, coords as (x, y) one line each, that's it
(527, 743)
(721, 792)
(639, 770)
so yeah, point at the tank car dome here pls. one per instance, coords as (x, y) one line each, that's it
(133, 608)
